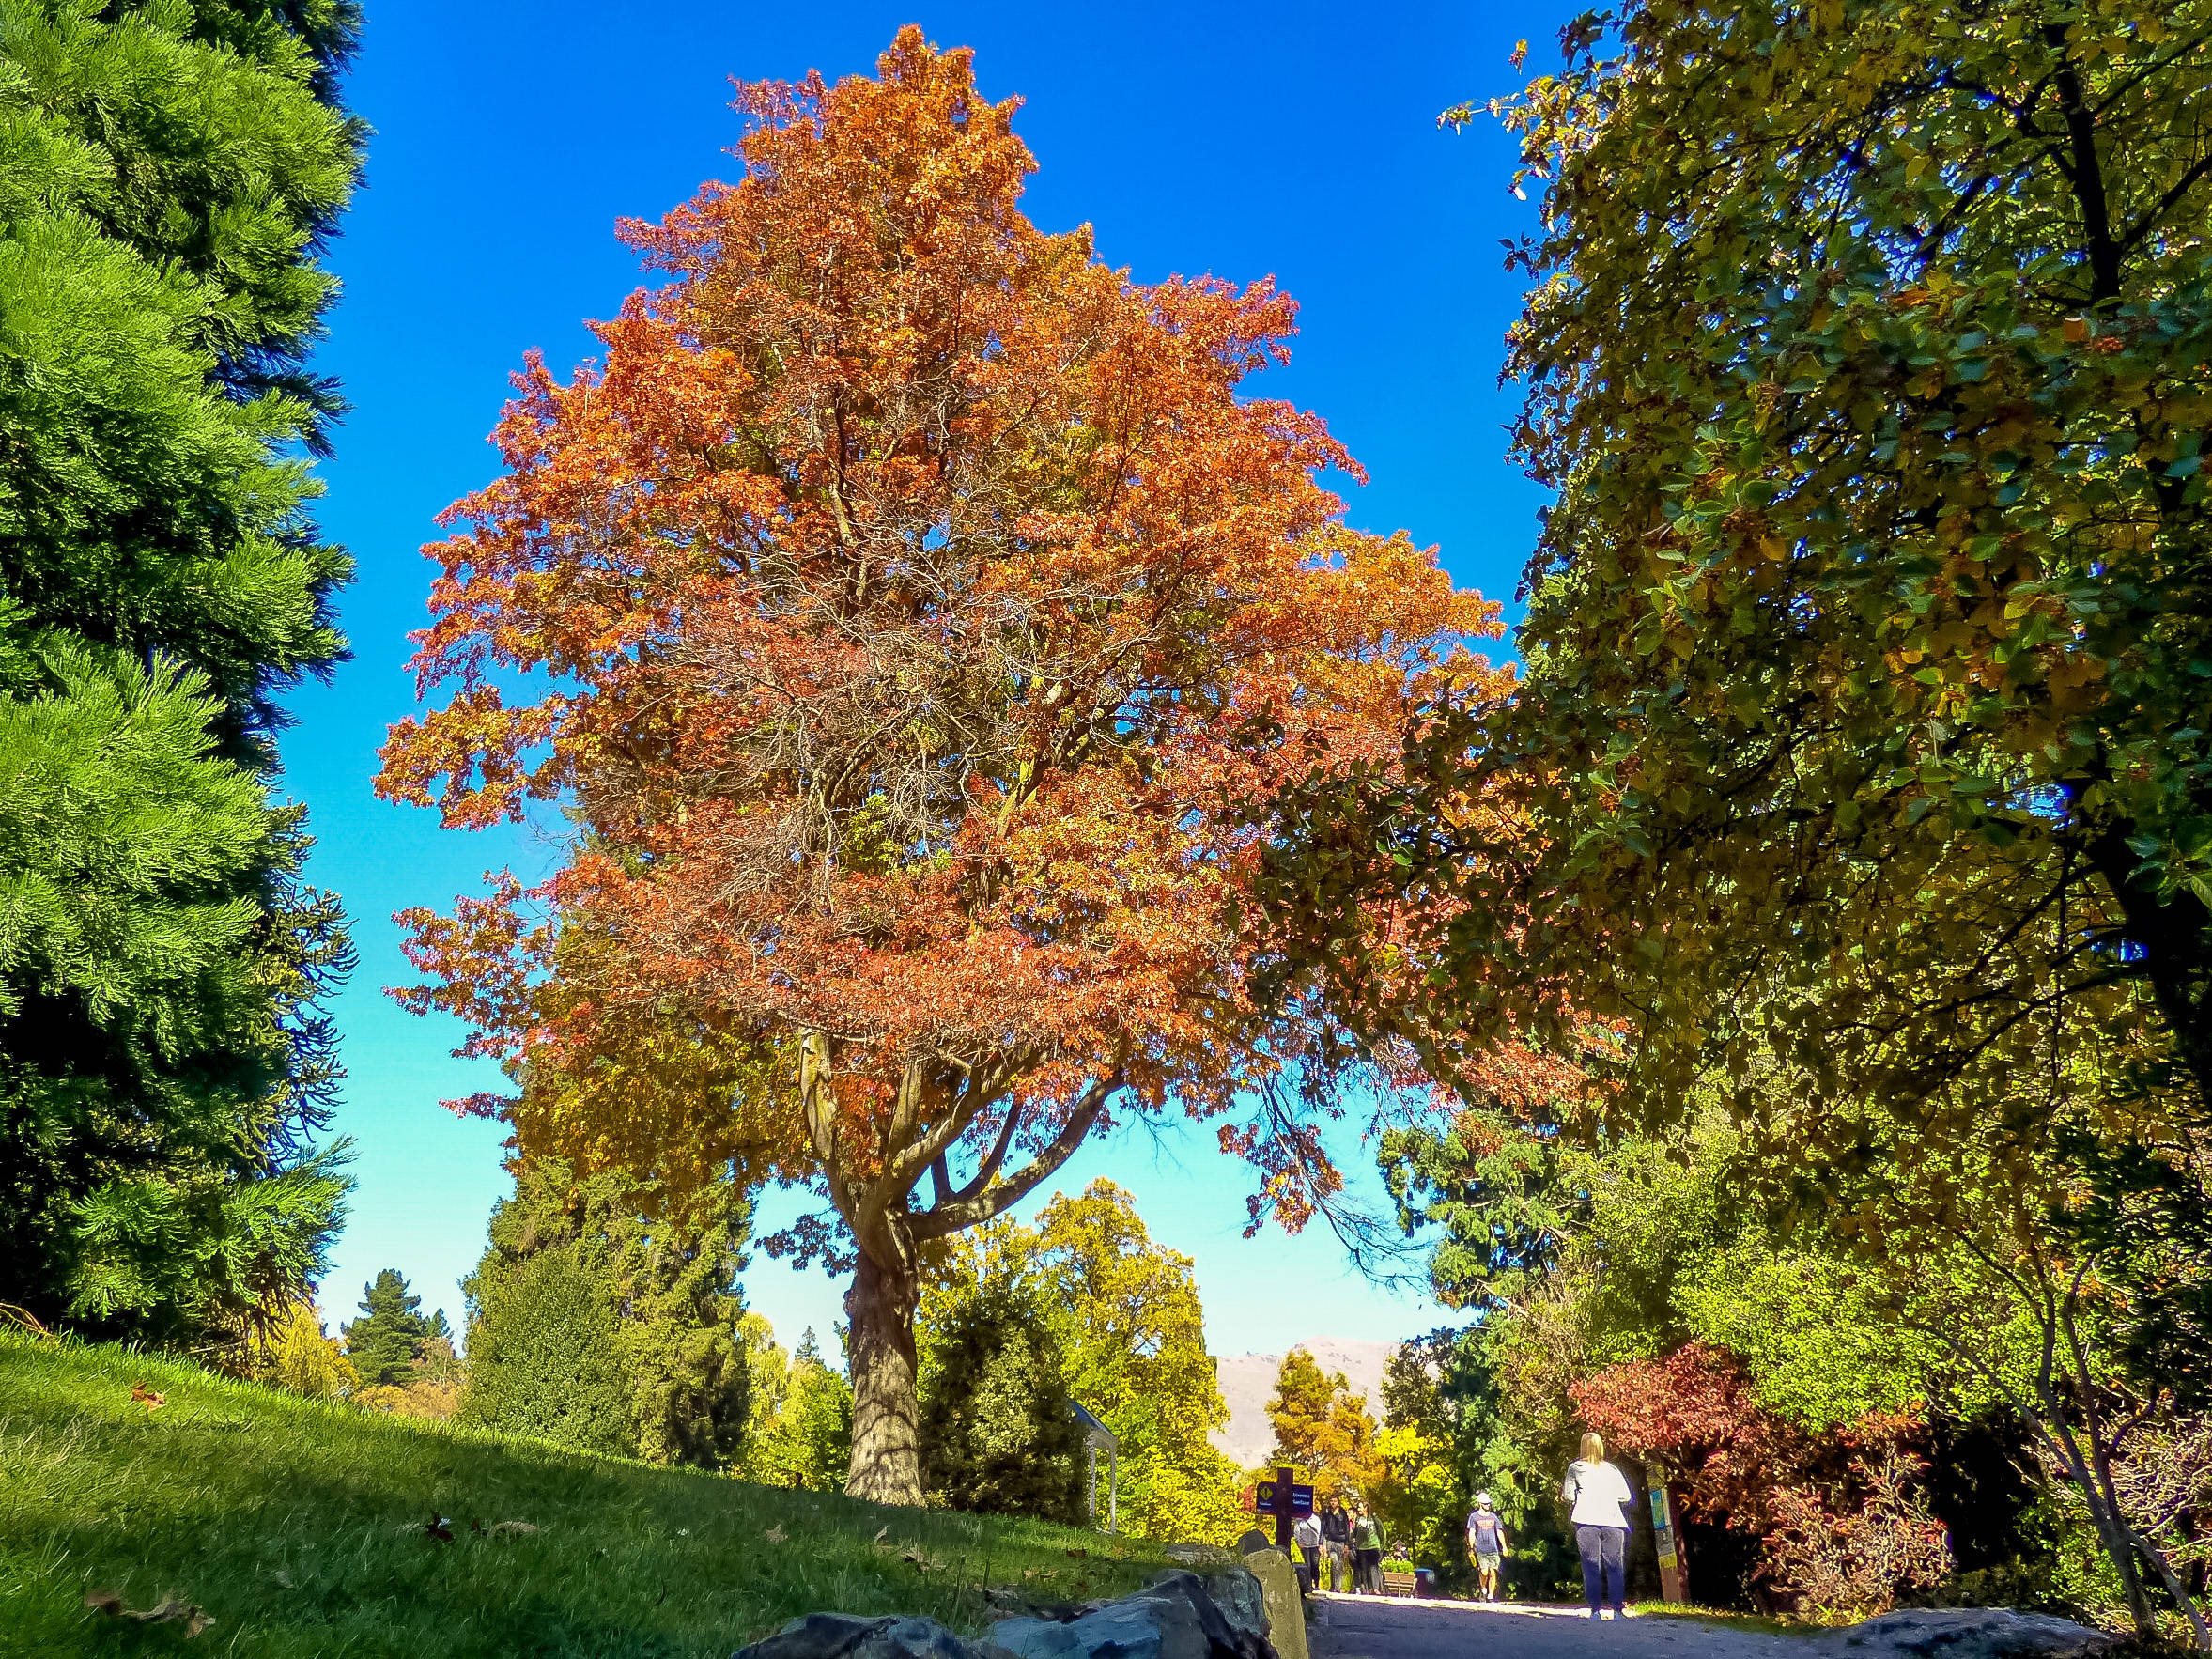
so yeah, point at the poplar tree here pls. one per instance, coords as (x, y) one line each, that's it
(168, 176)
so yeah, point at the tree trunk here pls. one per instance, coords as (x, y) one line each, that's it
(887, 1452)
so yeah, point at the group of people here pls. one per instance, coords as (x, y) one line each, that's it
(1340, 1546)
(1348, 1545)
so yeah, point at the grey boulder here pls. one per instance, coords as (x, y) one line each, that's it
(843, 1636)
(1964, 1633)
(1241, 1596)
(1171, 1618)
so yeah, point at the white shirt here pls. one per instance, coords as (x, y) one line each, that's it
(1598, 1490)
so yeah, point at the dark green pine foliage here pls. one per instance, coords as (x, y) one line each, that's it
(387, 1339)
(168, 173)
(998, 1431)
(600, 1318)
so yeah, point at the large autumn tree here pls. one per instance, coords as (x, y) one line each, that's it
(914, 611)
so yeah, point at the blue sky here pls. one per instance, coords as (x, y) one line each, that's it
(1242, 140)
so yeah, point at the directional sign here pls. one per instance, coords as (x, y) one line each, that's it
(1263, 1498)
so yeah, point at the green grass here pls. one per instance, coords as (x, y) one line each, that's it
(1725, 1617)
(299, 1527)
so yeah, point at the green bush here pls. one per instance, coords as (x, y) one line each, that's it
(597, 1280)
(998, 1432)
(542, 1360)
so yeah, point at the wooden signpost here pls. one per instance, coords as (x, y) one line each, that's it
(1300, 1504)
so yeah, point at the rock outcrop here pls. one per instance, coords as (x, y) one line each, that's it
(1276, 1580)
(1198, 1555)
(843, 1636)
(1963, 1633)
(1175, 1617)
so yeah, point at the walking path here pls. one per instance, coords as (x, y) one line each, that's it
(1369, 1627)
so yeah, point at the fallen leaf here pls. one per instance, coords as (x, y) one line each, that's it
(1078, 1554)
(142, 1395)
(774, 1535)
(440, 1527)
(513, 1530)
(171, 1611)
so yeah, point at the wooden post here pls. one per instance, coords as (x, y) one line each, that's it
(1282, 1508)
(1666, 1541)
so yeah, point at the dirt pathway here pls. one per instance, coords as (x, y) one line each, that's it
(1365, 1627)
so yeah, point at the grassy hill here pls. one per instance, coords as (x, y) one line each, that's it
(302, 1528)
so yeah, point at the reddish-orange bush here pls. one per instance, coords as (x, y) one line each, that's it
(1842, 1522)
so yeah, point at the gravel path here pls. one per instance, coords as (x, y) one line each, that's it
(1366, 1627)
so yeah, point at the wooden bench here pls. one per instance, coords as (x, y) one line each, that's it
(1398, 1584)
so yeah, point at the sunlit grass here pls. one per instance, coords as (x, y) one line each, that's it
(300, 1528)
(1728, 1617)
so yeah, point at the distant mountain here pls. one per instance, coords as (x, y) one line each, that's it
(1248, 1383)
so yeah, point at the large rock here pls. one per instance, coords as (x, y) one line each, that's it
(1964, 1633)
(1172, 1618)
(1284, 1601)
(1240, 1598)
(843, 1635)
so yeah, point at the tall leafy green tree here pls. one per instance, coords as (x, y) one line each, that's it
(1865, 727)
(1130, 1321)
(800, 1430)
(170, 173)
(1322, 1428)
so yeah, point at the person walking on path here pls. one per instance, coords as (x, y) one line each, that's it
(1307, 1533)
(1367, 1553)
(1598, 1491)
(1486, 1545)
(1335, 1544)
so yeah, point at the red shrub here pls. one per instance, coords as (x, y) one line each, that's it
(1843, 1525)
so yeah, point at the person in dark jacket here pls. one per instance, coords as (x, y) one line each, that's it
(1335, 1544)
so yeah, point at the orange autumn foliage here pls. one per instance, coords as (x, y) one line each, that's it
(920, 616)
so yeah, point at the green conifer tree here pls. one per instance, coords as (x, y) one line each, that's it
(387, 1339)
(601, 1317)
(171, 170)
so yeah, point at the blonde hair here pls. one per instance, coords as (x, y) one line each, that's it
(1593, 1448)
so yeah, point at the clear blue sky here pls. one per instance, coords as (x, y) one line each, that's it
(1239, 139)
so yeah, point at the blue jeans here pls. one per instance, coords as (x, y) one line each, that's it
(1604, 1564)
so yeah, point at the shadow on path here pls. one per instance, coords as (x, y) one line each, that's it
(1366, 1627)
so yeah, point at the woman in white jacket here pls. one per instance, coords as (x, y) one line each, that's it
(1600, 1493)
